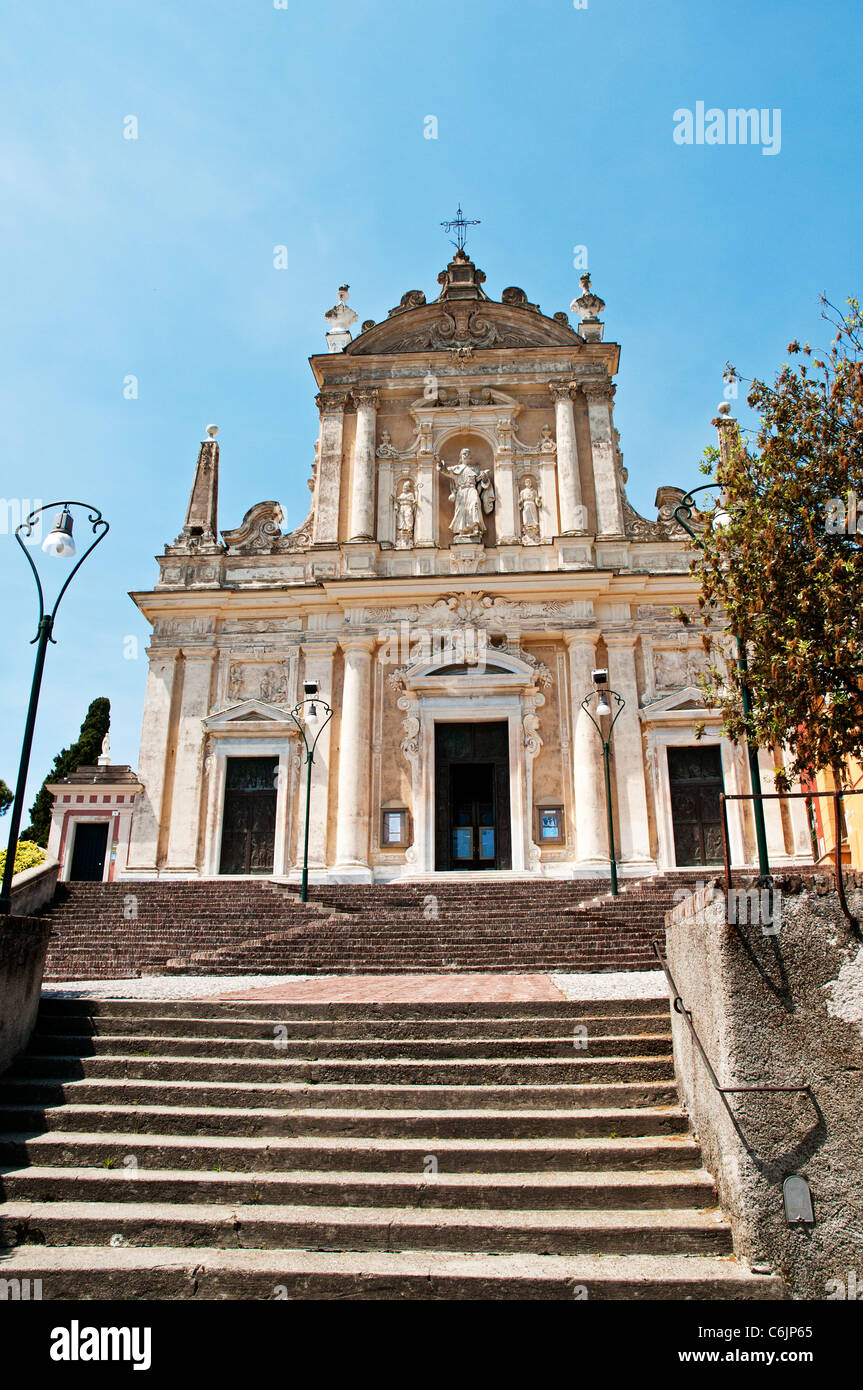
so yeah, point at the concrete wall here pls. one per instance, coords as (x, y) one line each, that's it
(34, 888)
(779, 1009)
(23, 944)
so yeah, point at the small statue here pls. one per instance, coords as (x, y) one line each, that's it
(104, 759)
(529, 503)
(473, 494)
(405, 503)
(547, 444)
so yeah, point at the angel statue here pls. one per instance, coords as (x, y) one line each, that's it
(473, 494)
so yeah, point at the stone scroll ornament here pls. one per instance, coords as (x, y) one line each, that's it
(472, 494)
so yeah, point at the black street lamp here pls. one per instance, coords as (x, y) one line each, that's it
(302, 721)
(603, 710)
(721, 518)
(60, 544)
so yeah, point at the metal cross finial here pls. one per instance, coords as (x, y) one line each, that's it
(460, 223)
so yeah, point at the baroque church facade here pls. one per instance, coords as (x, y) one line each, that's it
(469, 560)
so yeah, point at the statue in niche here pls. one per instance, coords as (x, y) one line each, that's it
(472, 493)
(529, 503)
(405, 503)
(547, 444)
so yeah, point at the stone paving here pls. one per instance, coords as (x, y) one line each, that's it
(434, 988)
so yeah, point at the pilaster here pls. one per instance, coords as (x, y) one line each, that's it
(329, 473)
(362, 517)
(609, 503)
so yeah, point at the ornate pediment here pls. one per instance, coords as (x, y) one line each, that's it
(250, 716)
(681, 705)
(260, 532)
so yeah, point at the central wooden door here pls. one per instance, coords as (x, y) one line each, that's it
(472, 811)
(89, 852)
(249, 822)
(695, 779)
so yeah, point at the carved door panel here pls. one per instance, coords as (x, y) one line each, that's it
(695, 779)
(249, 821)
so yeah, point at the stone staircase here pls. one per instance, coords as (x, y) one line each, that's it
(110, 930)
(154, 1150)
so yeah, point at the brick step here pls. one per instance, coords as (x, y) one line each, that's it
(81, 1272)
(509, 1012)
(670, 1230)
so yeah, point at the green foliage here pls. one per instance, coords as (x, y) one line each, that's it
(27, 856)
(84, 751)
(6, 797)
(790, 588)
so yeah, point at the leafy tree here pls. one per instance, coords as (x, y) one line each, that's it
(84, 751)
(786, 568)
(6, 797)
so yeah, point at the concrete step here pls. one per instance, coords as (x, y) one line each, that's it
(507, 1191)
(250, 1095)
(490, 1071)
(250, 1154)
(340, 1049)
(429, 1125)
(663, 1231)
(82, 1272)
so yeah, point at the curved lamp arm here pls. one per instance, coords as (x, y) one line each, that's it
(295, 713)
(686, 506)
(100, 528)
(585, 705)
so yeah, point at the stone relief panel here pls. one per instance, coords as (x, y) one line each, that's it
(673, 670)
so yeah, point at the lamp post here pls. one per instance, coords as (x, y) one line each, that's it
(60, 544)
(721, 519)
(603, 710)
(302, 721)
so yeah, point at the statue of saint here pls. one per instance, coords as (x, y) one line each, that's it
(529, 503)
(405, 503)
(472, 493)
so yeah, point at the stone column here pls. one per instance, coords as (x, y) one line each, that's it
(153, 761)
(352, 838)
(362, 522)
(591, 836)
(182, 857)
(573, 520)
(317, 666)
(609, 504)
(386, 493)
(549, 521)
(329, 475)
(627, 753)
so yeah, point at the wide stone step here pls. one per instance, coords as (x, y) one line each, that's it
(515, 1012)
(550, 1071)
(143, 1224)
(362, 1155)
(84, 1027)
(507, 1190)
(260, 1095)
(364, 1049)
(88, 1272)
(429, 1125)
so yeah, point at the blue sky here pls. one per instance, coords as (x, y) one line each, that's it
(303, 127)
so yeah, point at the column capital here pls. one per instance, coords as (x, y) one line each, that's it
(582, 638)
(331, 402)
(621, 639)
(326, 647)
(367, 396)
(599, 392)
(561, 390)
(357, 642)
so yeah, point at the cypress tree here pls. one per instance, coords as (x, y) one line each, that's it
(83, 752)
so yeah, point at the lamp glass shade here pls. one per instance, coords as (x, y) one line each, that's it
(603, 708)
(59, 541)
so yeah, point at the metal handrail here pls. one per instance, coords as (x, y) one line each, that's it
(686, 1014)
(836, 797)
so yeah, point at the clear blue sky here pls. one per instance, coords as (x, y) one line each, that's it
(303, 126)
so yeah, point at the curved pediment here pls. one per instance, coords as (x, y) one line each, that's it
(469, 327)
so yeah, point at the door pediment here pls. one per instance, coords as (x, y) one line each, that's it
(250, 716)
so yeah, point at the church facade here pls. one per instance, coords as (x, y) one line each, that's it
(470, 560)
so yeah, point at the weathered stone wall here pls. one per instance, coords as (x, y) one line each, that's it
(778, 1009)
(23, 945)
